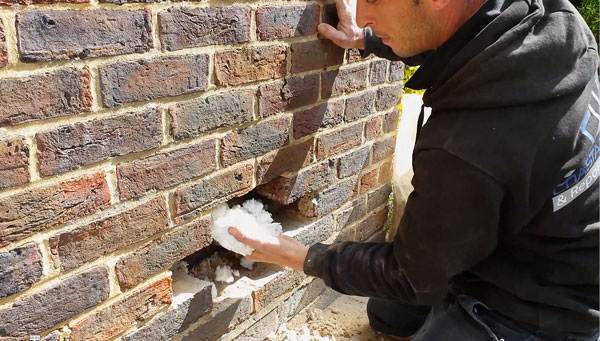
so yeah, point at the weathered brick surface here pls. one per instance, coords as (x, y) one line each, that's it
(396, 71)
(3, 49)
(320, 203)
(145, 80)
(165, 326)
(190, 27)
(388, 97)
(14, 162)
(371, 225)
(59, 93)
(353, 162)
(378, 197)
(235, 181)
(281, 283)
(291, 93)
(316, 232)
(324, 115)
(300, 299)
(262, 328)
(166, 169)
(315, 54)
(249, 64)
(291, 158)
(354, 56)
(26, 213)
(337, 82)
(287, 190)
(195, 117)
(339, 140)
(85, 243)
(120, 315)
(72, 146)
(378, 72)
(61, 301)
(359, 106)
(20, 268)
(390, 121)
(225, 316)
(265, 136)
(350, 213)
(383, 148)
(369, 180)
(160, 253)
(386, 171)
(273, 22)
(54, 336)
(373, 127)
(52, 35)
(30, 2)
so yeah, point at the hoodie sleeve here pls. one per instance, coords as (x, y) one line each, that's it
(450, 224)
(373, 44)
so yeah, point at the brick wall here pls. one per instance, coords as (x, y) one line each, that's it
(124, 122)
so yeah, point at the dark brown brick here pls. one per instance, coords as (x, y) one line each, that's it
(373, 127)
(378, 72)
(3, 49)
(315, 54)
(333, 197)
(359, 106)
(166, 169)
(123, 313)
(379, 196)
(195, 117)
(257, 139)
(351, 212)
(287, 159)
(396, 71)
(191, 27)
(287, 190)
(291, 93)
(273, 22)
(324, 115)
(250, 64)
(161, 253)
(371, 225)
(192, 200)
(353, 162)
(20, 268)
(14, 162)
(390, 121)
(85, 243)
(339, 140)
(60, 93)
(54, 35)
(369, 180)
(145, 80)
(383, 148)
(388, 97)
(72, 295)
(26, 213)
(337, 82)
(69, 147)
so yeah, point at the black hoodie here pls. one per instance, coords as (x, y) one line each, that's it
(505, 205)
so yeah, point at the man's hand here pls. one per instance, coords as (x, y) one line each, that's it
(281, 250)
(347, 35)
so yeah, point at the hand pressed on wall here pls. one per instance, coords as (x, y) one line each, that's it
(281, 250)
(347, 35)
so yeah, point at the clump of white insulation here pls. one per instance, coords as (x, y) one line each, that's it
(186, 286)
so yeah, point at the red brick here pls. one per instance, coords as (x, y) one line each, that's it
(388, 97)
(123, 313)
(257, 139)
(67, 298)
(191, 27)
(291, 93)
(287, 190)
(327, 200)
(166, 169)
(250, 64)
(60, 93)
(195, 117)
(353, 162)
(145, 80)
(273, 22)
(371, 225)
(192, 200)
(359, 106)
(287, 159)
(369, 180)
(21, 268)
(161, 253)
(53, 35)
(315, 54)
(396, 71)
(3, 49)
(337, 82)
(27, 213)
(69, 147)
(339, 140)
(386, 171)
(383, 148)
(88, 242)
(14, 162)
(373, 127)
(324, 115)
(31, 2)
(378, 72)
(390, 121)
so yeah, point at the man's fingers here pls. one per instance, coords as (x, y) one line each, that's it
(331, 33)
(237, 234)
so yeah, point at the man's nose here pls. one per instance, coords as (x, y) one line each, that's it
(363, 17)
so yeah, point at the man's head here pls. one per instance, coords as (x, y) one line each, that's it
(410, 27)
